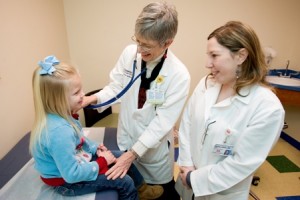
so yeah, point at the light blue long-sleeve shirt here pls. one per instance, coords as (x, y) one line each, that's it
(56, 156)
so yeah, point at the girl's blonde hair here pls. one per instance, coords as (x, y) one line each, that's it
(50, 94)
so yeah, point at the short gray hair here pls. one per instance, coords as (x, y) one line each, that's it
(157, 21)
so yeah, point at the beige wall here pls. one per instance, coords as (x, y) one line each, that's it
(99, 30)
(95, 32)
(29, 31)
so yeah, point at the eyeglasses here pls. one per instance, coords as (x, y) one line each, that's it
(144, 47)
(205, 133)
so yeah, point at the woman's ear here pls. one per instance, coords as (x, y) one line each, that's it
(168, 43)
(242, 55)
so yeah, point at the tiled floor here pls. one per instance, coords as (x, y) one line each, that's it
(275, 184)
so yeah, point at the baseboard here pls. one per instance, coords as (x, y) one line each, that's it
(290, 140)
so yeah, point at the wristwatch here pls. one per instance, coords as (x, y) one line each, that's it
(134, 153)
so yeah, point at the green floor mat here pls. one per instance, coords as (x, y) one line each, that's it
(282, 164)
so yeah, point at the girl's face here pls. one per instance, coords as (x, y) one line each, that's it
(75, 93)
(150, 49)
(222, 63)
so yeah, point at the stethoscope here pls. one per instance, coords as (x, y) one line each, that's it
(126, 88)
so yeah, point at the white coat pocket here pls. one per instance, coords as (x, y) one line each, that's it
(223, 133)
(144, 115)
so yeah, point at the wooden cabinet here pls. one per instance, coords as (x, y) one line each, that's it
(288, 97)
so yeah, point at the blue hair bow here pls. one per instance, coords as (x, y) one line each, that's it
(47, 65)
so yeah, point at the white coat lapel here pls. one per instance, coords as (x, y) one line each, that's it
(211, 96)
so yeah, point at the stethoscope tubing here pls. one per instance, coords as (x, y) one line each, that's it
(126, 88)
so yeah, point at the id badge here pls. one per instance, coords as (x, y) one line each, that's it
(223, 149)
(155, 96)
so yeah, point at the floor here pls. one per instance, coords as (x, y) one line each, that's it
(274, 184)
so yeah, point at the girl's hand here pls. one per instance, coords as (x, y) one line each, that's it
(109, 157)
(101, 147)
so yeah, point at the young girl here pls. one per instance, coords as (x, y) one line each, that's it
(65, 159)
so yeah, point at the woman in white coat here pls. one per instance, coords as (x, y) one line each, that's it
(232, 119)
(146, 122)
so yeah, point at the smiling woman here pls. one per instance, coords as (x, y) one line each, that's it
(219, 152)
(151, 107)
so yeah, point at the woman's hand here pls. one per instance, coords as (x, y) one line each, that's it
(87, 100)
(121, 167)
(183, 173)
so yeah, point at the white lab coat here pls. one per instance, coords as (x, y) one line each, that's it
(254, 123)
(148, 130)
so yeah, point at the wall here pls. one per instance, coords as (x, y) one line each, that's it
(30, 30)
